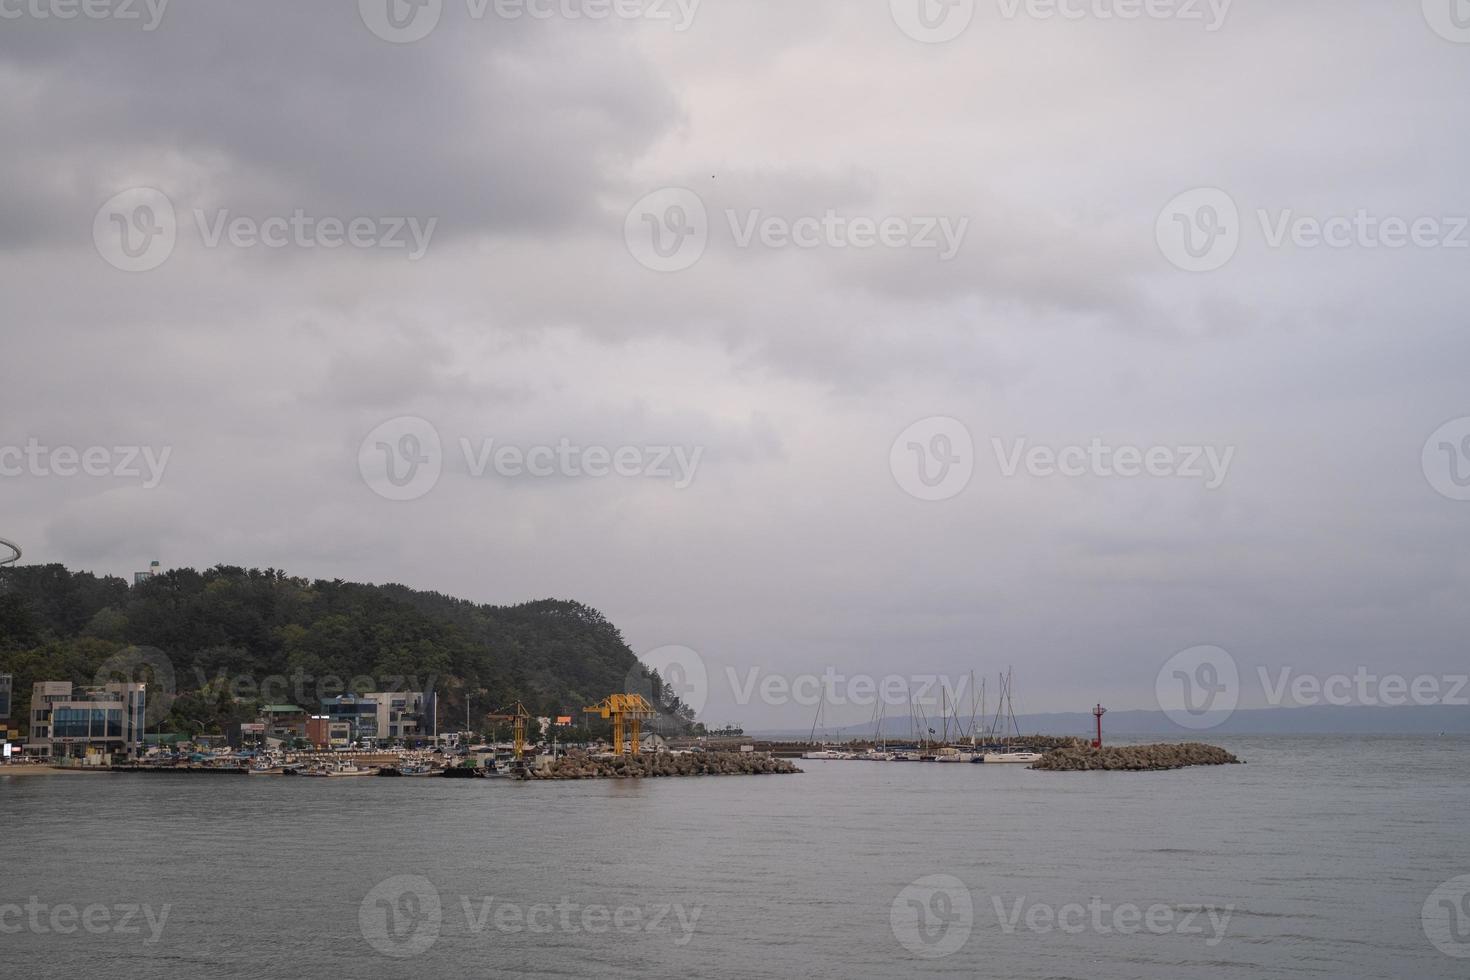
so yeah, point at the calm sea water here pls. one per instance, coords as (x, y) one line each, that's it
(1324, 851)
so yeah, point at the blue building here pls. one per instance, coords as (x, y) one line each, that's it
(360, 712)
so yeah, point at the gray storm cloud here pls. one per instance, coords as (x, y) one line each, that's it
(529, 320)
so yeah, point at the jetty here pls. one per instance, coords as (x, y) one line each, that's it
(579, 765)
(1134, 758)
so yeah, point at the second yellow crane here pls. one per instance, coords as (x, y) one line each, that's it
(632, 708)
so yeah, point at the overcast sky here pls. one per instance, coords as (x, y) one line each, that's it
(1004, 254)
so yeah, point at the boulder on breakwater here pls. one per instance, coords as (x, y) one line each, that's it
(579, 765)
(1135, 758)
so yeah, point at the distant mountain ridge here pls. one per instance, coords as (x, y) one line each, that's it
(1311, 720)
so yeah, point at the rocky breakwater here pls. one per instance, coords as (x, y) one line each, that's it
(1135, 758)
(1045, 743)
(577, 765)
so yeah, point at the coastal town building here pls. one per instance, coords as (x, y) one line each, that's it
(400, 714)
(8, 736)
(324, 732)
(380, 715)
(284, 721)
(359, 712)
(75, 723)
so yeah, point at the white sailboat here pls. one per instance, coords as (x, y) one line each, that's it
(1009, 754)
(826, 752)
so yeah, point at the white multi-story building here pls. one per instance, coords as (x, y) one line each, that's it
(88, 721)
(400, 714)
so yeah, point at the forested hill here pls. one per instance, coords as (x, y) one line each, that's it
(237, 637)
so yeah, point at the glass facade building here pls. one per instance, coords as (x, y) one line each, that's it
(103, 721)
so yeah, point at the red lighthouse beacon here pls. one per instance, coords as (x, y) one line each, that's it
(1097, 713)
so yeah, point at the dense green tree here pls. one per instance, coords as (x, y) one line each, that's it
(239, 637)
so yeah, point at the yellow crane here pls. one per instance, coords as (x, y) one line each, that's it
(518, 715)
(633, 708)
